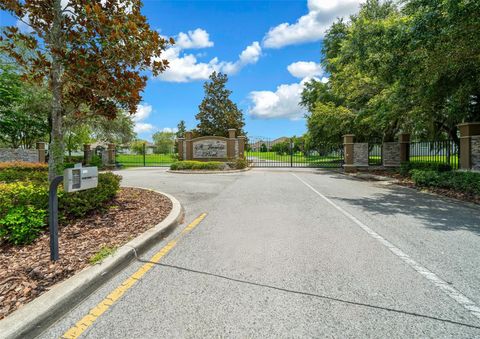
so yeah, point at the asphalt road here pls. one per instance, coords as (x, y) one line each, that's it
(300, 254)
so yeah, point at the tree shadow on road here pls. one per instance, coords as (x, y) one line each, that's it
(434, 212)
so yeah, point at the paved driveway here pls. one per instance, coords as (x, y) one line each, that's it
(300, 254)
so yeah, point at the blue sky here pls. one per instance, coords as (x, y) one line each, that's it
(268, 49)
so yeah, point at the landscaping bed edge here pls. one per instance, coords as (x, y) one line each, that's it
(208, 171)
(31, 319)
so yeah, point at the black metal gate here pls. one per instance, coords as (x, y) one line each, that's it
(145, 155)
(292, 152)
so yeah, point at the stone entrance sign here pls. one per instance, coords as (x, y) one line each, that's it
(209, 148)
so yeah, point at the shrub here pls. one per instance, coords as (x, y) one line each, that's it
(24, 166)
(78, 204)
(96, 161)
(23, 209)
(22, 224)
(407, 167)
(22, 194)
(23, 171)
(197, 165)
(468, 182)
(238, 164)
(426, 177)
(24, 205)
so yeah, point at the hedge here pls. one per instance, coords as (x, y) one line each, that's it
(407, 167)
(78, 204)
(95, 161)
(197, 165)
(461, 181)
(24, 205)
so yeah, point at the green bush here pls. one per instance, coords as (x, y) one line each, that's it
(11, 175)
(24, 205)
(78, 204)
(197, 165)
(96, 161)
(407, 167)
(22, 224)
(23, 209)
(23, 171)
(468, 182)
(22, 194)
(24, 166)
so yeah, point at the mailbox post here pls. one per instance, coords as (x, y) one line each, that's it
(74, 179)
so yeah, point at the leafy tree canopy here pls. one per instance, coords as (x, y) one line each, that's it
(24, 110)
(217, 112)
(164, 142)
(91, 53)
(413, 68)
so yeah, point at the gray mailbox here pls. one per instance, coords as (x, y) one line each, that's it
(80, 178)
(74, 179)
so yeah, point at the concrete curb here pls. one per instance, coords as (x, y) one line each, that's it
(36, 316)
(209, 172)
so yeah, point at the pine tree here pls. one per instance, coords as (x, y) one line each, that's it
(217, 113)
(181, 129)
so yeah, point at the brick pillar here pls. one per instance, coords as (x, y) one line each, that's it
(404, 139)
(189, 146)
(241, 147)
(348, 153)
(180, 143)
(111, 154)
(41, 152)
(469, 145)
(231, 143)
(87, 154)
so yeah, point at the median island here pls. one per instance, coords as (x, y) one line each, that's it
(192, 165)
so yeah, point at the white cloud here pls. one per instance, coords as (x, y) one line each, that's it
(142, 127)
(303, 69)
(142, 113)
(312, 26)
(249, 55)
(198, 38)
(283, 103)
(170, 130)
(185, 67)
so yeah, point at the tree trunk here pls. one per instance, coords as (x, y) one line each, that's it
(56, 150)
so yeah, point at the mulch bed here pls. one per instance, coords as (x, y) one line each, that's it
(26, 271)
(405, 181)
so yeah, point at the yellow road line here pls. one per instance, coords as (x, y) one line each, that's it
(116, 294)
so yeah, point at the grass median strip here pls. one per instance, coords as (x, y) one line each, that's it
(83, 324)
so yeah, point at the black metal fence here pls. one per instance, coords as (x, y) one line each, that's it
(287, 152)
(375, 154)
(442, 152)
(145, 156)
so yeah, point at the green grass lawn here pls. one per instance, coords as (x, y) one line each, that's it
(422, 158)
(132, 160)
(439, 158)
